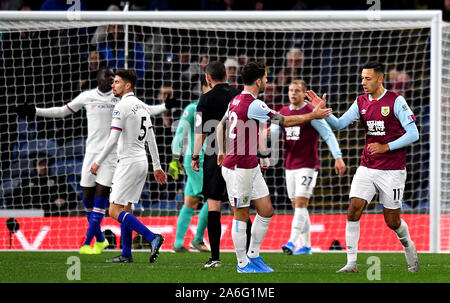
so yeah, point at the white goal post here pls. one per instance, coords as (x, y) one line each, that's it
(268, 35)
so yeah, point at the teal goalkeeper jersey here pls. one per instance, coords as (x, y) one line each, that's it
(186, 125)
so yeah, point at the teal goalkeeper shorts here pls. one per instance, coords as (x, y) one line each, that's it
(194, 182)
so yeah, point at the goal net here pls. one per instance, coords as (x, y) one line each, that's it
(48, 59)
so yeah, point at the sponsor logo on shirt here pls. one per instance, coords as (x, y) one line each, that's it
(116, 114)
(375, 128)
(292, 133)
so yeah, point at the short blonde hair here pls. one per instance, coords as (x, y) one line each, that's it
(302, 83)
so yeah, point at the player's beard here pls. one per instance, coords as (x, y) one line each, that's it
(262, 88)
(117, 95)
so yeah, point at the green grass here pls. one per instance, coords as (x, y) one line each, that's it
(51, 267)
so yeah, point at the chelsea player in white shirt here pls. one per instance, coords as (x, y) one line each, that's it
(99, 104)
(131, 128)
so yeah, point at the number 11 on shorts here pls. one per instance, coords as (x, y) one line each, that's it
(397, 193)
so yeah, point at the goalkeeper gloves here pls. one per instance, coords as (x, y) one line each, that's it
(175, 167)
(171, 103)
(25, 110)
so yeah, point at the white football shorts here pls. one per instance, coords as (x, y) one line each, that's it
(389, 184)
(105, 172)
(128, 182)
(244, 185)
(300, 182)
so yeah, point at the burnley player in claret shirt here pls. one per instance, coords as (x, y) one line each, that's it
(390, 127)
(241, 168)
(301, 144)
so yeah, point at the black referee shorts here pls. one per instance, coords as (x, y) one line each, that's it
(214, 186)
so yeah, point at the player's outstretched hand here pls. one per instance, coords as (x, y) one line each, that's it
(320, 112)
(314, 99)
(171, 103)
(175, 168)
(160, 176)
(339, 166)
(94, 168)
(25, 111)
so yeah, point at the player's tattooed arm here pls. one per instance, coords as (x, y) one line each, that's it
(278, 119)
(319, 112)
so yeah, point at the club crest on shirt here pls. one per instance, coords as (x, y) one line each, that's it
(384, 111)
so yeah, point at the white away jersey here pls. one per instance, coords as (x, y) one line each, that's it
(99, 108)
(131, 116)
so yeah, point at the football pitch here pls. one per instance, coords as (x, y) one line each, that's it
(70, 267)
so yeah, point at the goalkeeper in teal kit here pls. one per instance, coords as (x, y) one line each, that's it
(194, 182)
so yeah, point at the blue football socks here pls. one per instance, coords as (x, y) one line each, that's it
(133, 223)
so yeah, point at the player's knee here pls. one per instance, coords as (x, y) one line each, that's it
(393, 223)
(266, 212)
(355, 209)
(114, 211)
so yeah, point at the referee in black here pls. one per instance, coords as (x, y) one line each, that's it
(210, 110)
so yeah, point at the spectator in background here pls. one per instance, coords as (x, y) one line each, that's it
(257, 5)
(243, 59)
(446, 10)
(101, 33)
(190, 74)
(291, 70)
(272, 96)
(42, 190)
(198, 68)
(89, 77)
(392, 74)
(162, 126)
(402, 84)
(232, 68)
(399, 81)
(113, 51)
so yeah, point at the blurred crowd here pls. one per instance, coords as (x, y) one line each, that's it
(51, 67)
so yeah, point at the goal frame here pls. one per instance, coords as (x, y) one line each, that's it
(433, 17)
